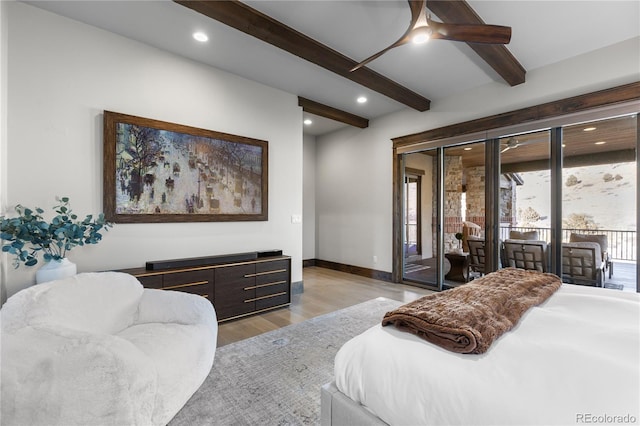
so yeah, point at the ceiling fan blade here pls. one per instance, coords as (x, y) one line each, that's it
(470, 33)
(400, 42)
(507, 148)
(542, 138)
(417, 9)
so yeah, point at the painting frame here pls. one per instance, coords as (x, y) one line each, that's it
(138, 187)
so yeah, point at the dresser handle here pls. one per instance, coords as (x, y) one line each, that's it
(185, 285)
(257, 274)
(265, 297)
(264, 285)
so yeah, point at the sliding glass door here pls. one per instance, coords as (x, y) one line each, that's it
(599, 203)
(463, 210)
(525, 201)
(419, 264)
(443, 191)
(561, 200)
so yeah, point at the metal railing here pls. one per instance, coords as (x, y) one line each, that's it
(411, 238)
(622, 244)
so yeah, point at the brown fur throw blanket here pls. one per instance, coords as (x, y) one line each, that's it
(467, 319)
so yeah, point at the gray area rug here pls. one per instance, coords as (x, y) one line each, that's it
(275, 378)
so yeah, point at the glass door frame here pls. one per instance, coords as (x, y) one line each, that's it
(490, 136)
(412, 176)
(401, 176)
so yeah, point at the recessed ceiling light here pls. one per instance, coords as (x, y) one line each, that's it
(468, 148)
(600, 143)
(200, 36)
(307, 121)
(361, 99)
(588, 129)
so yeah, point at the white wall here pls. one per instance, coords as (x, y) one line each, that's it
(309, 197)
(61, 76)
(354, 170)
(3, 135)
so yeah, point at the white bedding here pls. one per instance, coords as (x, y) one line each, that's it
(571, 359)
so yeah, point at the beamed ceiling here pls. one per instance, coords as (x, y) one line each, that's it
(243, 18)
(307, 47)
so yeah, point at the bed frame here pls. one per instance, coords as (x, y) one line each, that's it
(337, 409)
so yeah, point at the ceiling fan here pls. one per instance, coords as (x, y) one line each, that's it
(422, 28)
(525, 139)
(510, 144)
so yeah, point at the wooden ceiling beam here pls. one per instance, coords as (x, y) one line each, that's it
(250, 21)
(326, 111)
(615, 95)
(496, 55)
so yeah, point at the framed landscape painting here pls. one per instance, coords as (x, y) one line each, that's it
(155, 171)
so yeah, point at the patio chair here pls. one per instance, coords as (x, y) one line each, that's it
(476, 256)
(524, 235)
(582, 264)
(603, 241)
(470, 230)
(526, 254)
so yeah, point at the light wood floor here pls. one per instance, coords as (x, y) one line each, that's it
(325, 290)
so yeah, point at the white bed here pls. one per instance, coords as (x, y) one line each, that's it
(574, 356)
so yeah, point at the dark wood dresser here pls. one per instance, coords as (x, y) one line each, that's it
(236, 288)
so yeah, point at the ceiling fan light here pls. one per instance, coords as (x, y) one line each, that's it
(421, 35)
(421, 38)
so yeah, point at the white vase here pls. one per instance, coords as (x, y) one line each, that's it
(55, 269)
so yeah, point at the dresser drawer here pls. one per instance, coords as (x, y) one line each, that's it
(194, 282)
(235, 274)
(269, 274)
(204, 290)
(272, 266)
(151, 281)
(269, 301)
(272, 287)
(272, 277)
(235, 292)
(273, 283)
(179, 280)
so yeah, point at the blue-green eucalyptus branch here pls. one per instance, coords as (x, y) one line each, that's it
(28, 233)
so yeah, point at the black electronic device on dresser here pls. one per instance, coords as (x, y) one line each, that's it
(237, 284)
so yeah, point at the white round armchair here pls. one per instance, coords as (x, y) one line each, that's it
(98, 349)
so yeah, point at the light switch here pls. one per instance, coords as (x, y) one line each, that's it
(296, 219)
